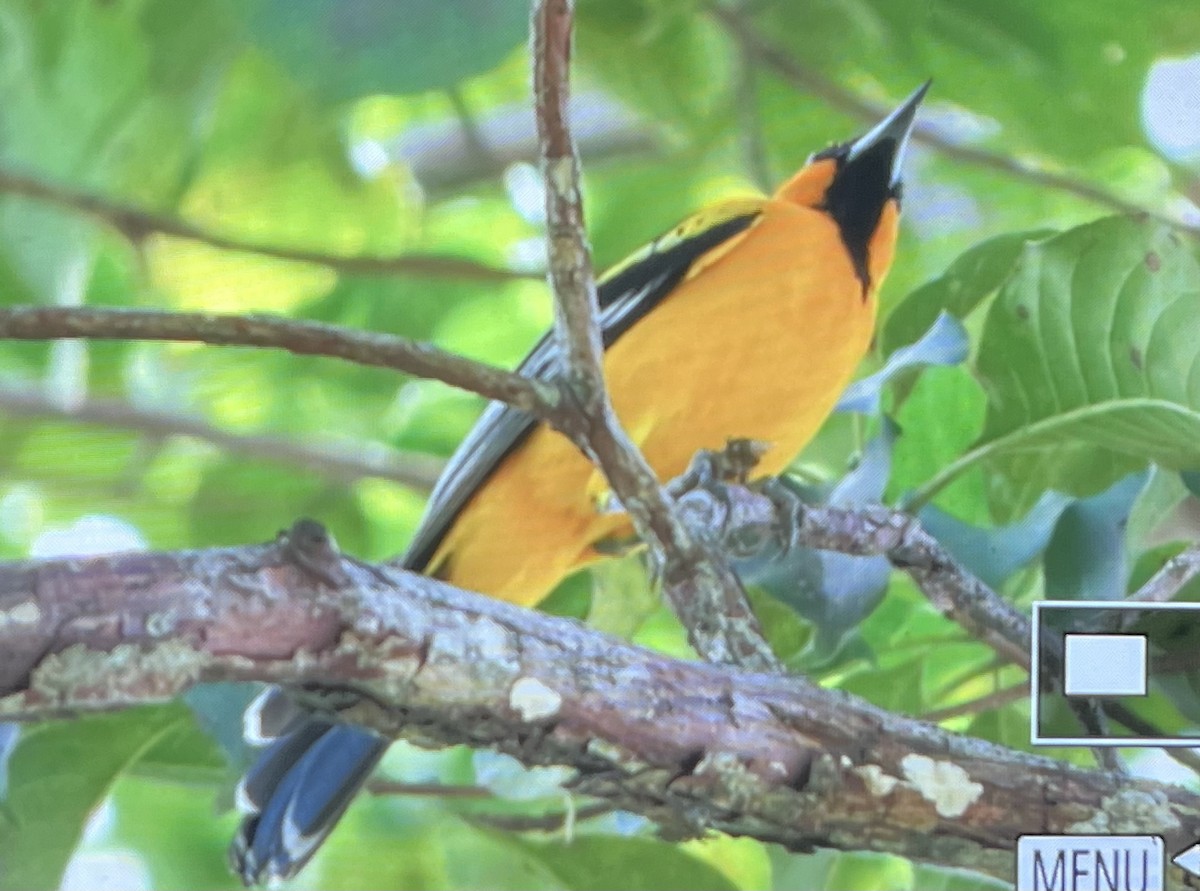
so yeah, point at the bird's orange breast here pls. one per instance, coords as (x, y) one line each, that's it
(757, 342)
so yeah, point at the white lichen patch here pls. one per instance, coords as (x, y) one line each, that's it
(739, 785)
(944, 784)
(1130, 811)
(128, 672)
(878, 782)
(480, 643)
(778, 768)
(26, 613)
(533, 700)
(161, 624)
(561, 174)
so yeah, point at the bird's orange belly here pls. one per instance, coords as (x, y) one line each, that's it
(758, 345)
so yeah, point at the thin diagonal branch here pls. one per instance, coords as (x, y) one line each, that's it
(786, 66)
(1170, 579)
(751, 523)
(374, 459)
(755, 158)
(754, 523)
(443, 162)
(136, 225)
(705, 593)
(570, 268)
(555, 821)
(379, 786)
(988, 702)
(302, 338)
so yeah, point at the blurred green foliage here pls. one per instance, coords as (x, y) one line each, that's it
(315, 125)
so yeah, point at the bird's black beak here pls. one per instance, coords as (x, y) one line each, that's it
(896, 127)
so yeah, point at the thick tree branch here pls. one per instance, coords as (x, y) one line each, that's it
(136, 225)
(302, 338)
(691, 745)
(369, 459)
(791, 70)
(705, 593)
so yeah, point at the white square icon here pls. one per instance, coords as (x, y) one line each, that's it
(1104, 665)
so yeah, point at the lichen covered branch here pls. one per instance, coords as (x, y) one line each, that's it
(691, 745)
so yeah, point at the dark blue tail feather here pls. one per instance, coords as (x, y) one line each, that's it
(295, 793)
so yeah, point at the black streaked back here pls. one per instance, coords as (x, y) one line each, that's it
(625, 297)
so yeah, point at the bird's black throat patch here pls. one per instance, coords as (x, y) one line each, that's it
(856, 197)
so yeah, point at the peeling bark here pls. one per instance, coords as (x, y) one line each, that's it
(691, 745)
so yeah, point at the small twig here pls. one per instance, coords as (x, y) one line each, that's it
(810, 81)
(576, 305)
(552, 822)
(1134, 722)
(706, 595)
(750, 131)
(970, 676)
(378, 786)
(136, 225)
(759, 523)
(302, 338)
(1170, 579)
(372, 459)
(742, 518)
(471, 134)
(994, 700)
(549, 822)
(1162, 587)
(443, 162)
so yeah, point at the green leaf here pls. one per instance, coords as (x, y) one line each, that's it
(974, 276)
(744, 860)
(942, 415)
(792, 871)
(601, 862)
(345, 49)
(279, 496)
(788, 635)
(993, 554)
(995, 59)
(59, 773)
(648, 53)
(218, 709)
(869, 871)
(945, 343)
(1086, 558)
(934, 878)
(1150, 519)
(181, 837)
(186, 754)
(622, 596)
(104, 97)
(1007, 726)
(1151, 561)
(1081, 357)
(832, 591)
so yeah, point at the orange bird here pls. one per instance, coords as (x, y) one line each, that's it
(746, 320)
